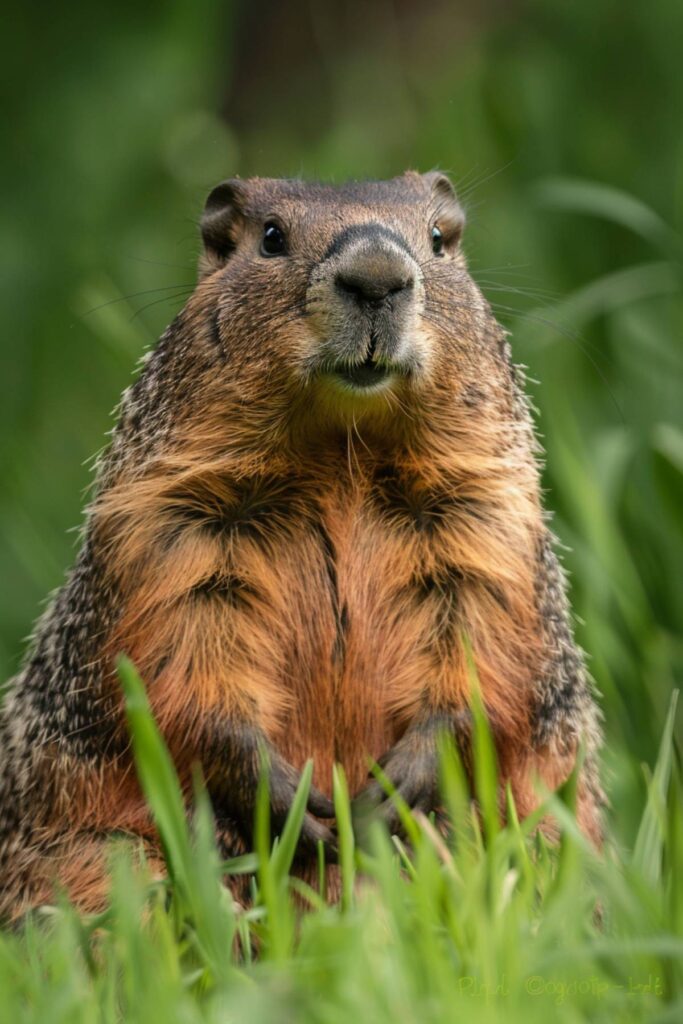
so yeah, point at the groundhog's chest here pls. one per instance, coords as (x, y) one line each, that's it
(362, 589)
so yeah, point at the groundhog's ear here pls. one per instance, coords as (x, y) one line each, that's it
(219, 224)
(448, 212)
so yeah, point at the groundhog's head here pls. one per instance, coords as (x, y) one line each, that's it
(347, 296)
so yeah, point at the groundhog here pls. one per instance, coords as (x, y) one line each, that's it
(322, 492)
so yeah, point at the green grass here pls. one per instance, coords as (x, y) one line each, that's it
(485, 925)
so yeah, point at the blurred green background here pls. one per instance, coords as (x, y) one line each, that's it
(562, 125)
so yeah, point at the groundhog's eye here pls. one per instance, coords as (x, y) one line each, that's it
(437, 241)
(273, 241)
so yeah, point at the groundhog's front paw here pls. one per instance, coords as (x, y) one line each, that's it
(233, 781)
(412, 766)
(283, 781)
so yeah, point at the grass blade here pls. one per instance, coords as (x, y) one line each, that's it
(649, 845)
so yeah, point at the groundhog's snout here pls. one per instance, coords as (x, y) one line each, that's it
(364, 301)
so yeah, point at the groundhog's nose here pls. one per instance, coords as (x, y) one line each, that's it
(373, 274)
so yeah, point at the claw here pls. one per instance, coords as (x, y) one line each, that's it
(234, 793)
(319, 804)
(284, 779)
(412, 766)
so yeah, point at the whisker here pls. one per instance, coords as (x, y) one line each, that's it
(477, 183)
(357, 432)
(158, 263)
(567, 333)
(166, 298)
(532, 293)
(136, 295)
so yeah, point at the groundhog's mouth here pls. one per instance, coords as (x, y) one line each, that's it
(363, 375)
